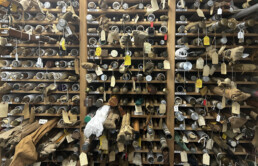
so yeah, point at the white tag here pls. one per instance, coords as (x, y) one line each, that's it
(37, 164)
(212, 70)
(219, 12)
(184, 139)
(209, 144)
(218, 118)
(200, 13)
(16, 57)
(103, 35)
(83, 159)
(206, 71)
(240, 35)
(43, 121)
(199, 63)
(201, 121)
(224, 127)
(68, 29)
(98, 71)
(236, 130)
(183, 155)
(69, 138)
(113, 81)
(166, 64)
(64, 9)
(235, 108)
(176, 108)
(223, 68)
(136, 18)
(147, 48)
(138, 109)
(206, 159)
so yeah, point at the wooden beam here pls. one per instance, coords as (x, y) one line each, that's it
(83, 58)
(171, 75)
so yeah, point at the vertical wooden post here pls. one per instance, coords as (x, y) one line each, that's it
(171, 75)
(83, 58)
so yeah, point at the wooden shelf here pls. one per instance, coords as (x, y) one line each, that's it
(36, 80)
(38, 69)
(122, 11)
(210, 106)
(122, 58)
(52, 10)
(41, 115)
(145, 116)
(55, 92)
(41, 45)
(216, 34)
(206, 11)
(34, 57)
(219, 46)
(118, 46)
(237, 82)
(134, 70)
(157, 34)
(35, 22)
(217, 71)
(155, 23)
(128, 93)
(129, 81)
(42, 103)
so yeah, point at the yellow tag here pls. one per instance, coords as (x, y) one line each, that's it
(206, 41)
(140, 142)
(98, 51)
(198, 83)
(127, 60)
(63, 44)
(224, 136)
(14, 7)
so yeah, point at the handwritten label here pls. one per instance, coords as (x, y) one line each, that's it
(43, 121)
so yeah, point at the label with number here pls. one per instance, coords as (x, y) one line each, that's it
(198, 83)
(98, 51)
(43, 121)
(206, 41)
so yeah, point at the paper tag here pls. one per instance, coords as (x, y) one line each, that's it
(63, 44)
(186, 164)
(127, 60)
(43, 121)
(212, 70)
(98, 71)
(68, 29)
(98, 51)
(206, 159)
(64, 9)
(206, 71)
(215, 58)
(183, 156)
(211, 10)
(223, 105)
(224, 127)
(240, 35)
(223, 68)
(219, 12)
(37, 164)
(138, 109)
(209, 144)
(112, 156)
(69, 138)
(236, 130)
(162, 108)
(166, 64)
(199, 63)
(103, 142)
(201, 121)
(105, 96)
(113, 81)
(16, 57)
(120, 146)
(235, 108)
(239, 136)
(206, 41)
(221, 50)
(218, 118)
(147, 48)
(136, 18)
(200, 12)
(4, 110)
(103, 35)
(83, 159)
(184, 139)
(198, 83)
(176, 108)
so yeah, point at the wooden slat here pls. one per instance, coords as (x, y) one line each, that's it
(171, 75)
(83, 58)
